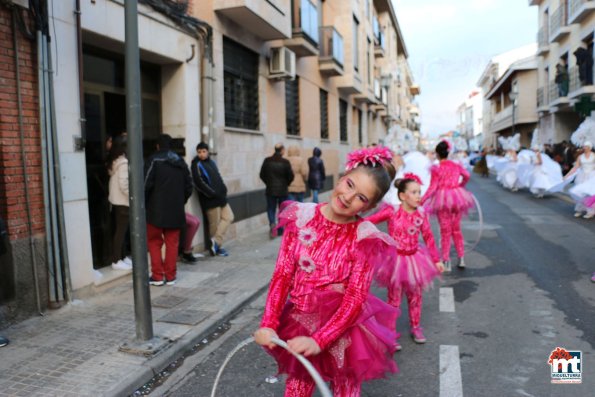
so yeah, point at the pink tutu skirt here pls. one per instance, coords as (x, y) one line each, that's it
(416, 271)
(590, 202)
(365, 351)
(457, 199)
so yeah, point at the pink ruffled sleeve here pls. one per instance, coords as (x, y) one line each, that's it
(433, 185)
(372, 246)
(384, 213)
(281, 281)
(426, 232)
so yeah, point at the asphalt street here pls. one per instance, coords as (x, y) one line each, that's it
(490, 328)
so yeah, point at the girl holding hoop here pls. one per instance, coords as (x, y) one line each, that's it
(325, 267)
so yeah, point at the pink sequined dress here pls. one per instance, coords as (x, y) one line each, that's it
(414, 267)
(447, 189)
(326, 270)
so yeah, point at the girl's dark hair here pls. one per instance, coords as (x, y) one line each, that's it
(118, 149)
(401, 185)
(382, 176)
(442, 150)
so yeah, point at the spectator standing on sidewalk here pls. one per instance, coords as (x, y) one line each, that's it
(297, 188)
(186, 236)
(168, 186)
(316, 174)
(276, 174)
(118, 197)
(212, 194)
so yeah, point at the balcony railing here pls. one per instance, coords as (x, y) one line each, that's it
(304, 20)
(331, 57)
(581, 82)
(542, 97)
(543, 38)
(579, 9)
(559, 22)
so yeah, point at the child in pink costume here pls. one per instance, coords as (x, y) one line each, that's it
(448, 199)
(416, 266)
(325, 267)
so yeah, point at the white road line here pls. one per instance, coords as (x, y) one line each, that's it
(451, 383)
(447, 300)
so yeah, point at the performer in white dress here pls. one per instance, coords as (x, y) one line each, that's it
(583, 173)
(507, 167)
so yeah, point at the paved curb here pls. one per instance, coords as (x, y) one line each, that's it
(152, 367)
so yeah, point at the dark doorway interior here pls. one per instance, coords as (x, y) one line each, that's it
(105, 112)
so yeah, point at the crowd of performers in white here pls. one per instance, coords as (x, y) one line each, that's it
(541, 175)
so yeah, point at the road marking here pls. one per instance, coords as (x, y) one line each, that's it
(447, 300)
(451, 383)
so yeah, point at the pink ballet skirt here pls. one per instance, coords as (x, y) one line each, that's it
(363, 352)
(411, 270)
(457, 199)
(590, 202)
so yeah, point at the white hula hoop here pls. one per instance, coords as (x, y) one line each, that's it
(480, 232)
(322, 387)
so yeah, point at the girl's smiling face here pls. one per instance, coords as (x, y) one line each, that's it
(354, 193)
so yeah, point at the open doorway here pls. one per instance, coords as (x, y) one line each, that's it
(105, 113)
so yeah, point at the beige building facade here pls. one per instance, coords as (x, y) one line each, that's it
(330, 74)
(494, 71)
(513, 101)
(565, 50)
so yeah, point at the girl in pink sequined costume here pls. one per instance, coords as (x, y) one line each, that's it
(416, 265)
(448, 199)
(325, 267)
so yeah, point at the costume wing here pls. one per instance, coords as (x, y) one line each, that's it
(584, 132)
(419, 164)
(515, 142)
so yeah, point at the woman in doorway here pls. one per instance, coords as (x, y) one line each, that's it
(118, 197)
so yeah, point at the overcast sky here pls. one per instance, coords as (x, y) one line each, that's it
(451, 41)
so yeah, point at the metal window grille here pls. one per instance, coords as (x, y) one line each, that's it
(343, 120)
(323, 114)
(360, 130)
(292, 106)
(240, 82)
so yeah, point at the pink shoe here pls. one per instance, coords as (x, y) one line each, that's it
(418, 335)
(593, 278)
(398, 346)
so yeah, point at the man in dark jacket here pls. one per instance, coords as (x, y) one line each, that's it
(168, 186)
(277, 175)
(212, 194)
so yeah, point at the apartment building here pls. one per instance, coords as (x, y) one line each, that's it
(241, 75)
(565, 66)
(470, 119)
(496, 68)
(331, 74)
(513, 101)
(54, 180)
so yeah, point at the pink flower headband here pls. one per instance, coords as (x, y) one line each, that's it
(448, 144)
(413, 177)
(374, 156)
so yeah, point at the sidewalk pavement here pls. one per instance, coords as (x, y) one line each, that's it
(73, 351)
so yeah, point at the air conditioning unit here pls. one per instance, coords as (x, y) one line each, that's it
(282, 63)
